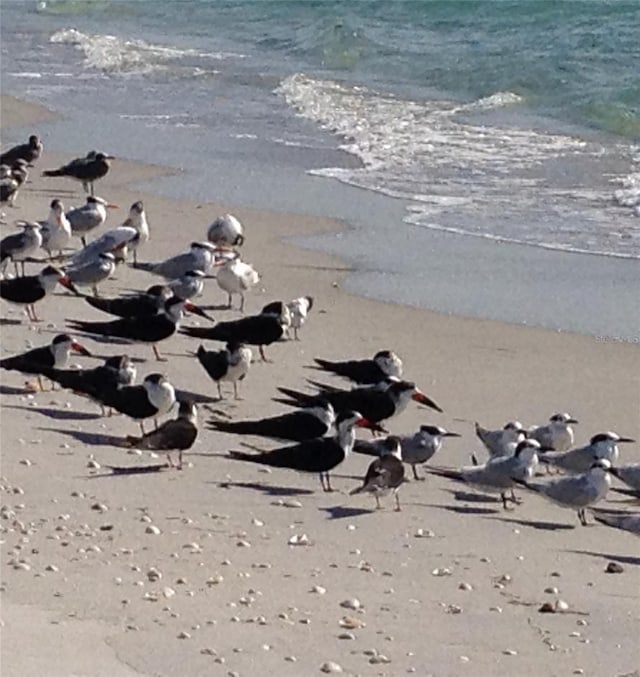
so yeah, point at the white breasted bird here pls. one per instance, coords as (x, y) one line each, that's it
(557, 435)
(501, 442)
(579, 460)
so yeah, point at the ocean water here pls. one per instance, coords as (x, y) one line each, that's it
(502, 122)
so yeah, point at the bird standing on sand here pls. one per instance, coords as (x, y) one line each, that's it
(56, 230)
(19, 246)
(313, 456)
(12, 179)
(576, 492)
(201, 256)
(236, 277)
(226, 231)
(179, 434)
(52, 356)
(231, 365)
(142, 304)
(137, 220)
(415, 449)
(579, 460)
(87, 169)
(385, 474)
(501, 442)
(557, 435)
(89, 216)
(299, 310)
(91, 273)
(384, 364)
(30, 289)
(29, 152)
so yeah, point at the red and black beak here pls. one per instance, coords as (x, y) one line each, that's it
(66, 282)
(374, 427)
(79, 348)
(420, 397)
(196, 310)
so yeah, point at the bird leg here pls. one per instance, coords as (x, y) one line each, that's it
(141, 424)
(94, 289)
(328, 480)
(219, 390)
(155, 420)
(262, 355)
(514, 499)
(241, 302)
(83, 239)
(40, 383)
(236, 396)
(157, 354)
(582, 517)
(505, 501)
(229, 301)
(415, 474)
(398, 508)
(378, 506)
(180, 460)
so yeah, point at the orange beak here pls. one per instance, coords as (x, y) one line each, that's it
(66, 282)
(420, 397)
(197, 311)
(79, 348)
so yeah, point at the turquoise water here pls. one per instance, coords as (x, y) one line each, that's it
(496, 122)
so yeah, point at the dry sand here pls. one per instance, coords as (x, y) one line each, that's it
(234, 598)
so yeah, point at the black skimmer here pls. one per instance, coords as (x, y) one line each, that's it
(179, 434)
(255, 330)
(557, 435)
(29, 152)
(297, 426)
(377, 403)
(142, 304)
(30, 289)
(385, 364)
(231, 365)
(313, 456)
(150, 329)
(89, 216)
(56, 230)
(86, 169)
(579, 460)
(236, 277)
(201, 256)
(53, 356)
(20, 246)
(415, 449)
(226, 231)
(155, 397)
(116, 372)
(385, 474)
(299, 310)
(503, 441)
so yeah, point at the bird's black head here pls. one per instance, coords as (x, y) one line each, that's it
(116, 362)
(51, 271)
(157, 290)
(187, 408)
(62, 338)
(383, 355)
(137, 207)
(274, 308)
(156, 379)
(56, 204)
(34, 141)
(100, 157)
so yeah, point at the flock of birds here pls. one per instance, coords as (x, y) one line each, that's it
(318, 428)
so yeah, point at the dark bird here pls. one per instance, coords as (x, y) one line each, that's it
(385, 474)
(231, 364)
(86, 169)
(30, 289)
(144, 304)
(313, 456)
(155, 397)
(377, 403)
(298, 426)
(255, 330)
(385, 364)
(20, 246)
(178, 434)
(29, 152)
(53, 356)
(142, 329)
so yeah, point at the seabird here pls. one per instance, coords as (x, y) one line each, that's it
(143, 304)
(151, 329)
(29, 152)
(577, 492)
(499, 473)
(231, 365)
(188, 286)
(137, 220)
(579, 460)
(627, 521)
(12, 179)
(30, 289)
(557, 435)
(226, 231)
(385, 474)
(91, 273)
(236, 277)
(502, 442)
(112, 241)
(89, 216)
(377, 403)
(299, 310)
(201, 256)
(155, 397)
(56, 230)
(255, 330)
(415, 449)
(52, 356)
(86, 169)
(313, 456)
(385, 364)
(179, 434)
(19, 246)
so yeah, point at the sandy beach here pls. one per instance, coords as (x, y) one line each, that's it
(452, 585)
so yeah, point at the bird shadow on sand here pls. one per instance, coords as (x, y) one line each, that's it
(537, 524)
(12, 390)
(624, 559)
(129, 471)
(269, 489)
(91, 439)
(462, 509)
(472, 497)
(60, 414)
(9, 322)
(340, 511)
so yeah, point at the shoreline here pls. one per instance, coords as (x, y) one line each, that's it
(223, 547)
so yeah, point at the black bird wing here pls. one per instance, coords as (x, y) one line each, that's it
(215, 362)
(256, 330)
(21, 152)
(22, 289)
(139, 305)
(9, 244)
(366, 448)
(30, 362)
(360, 371)
(320, 455)
(385, 472)
(177, 434)
(130, 400)
(145, 329)
(296, 426)
(91, 382)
